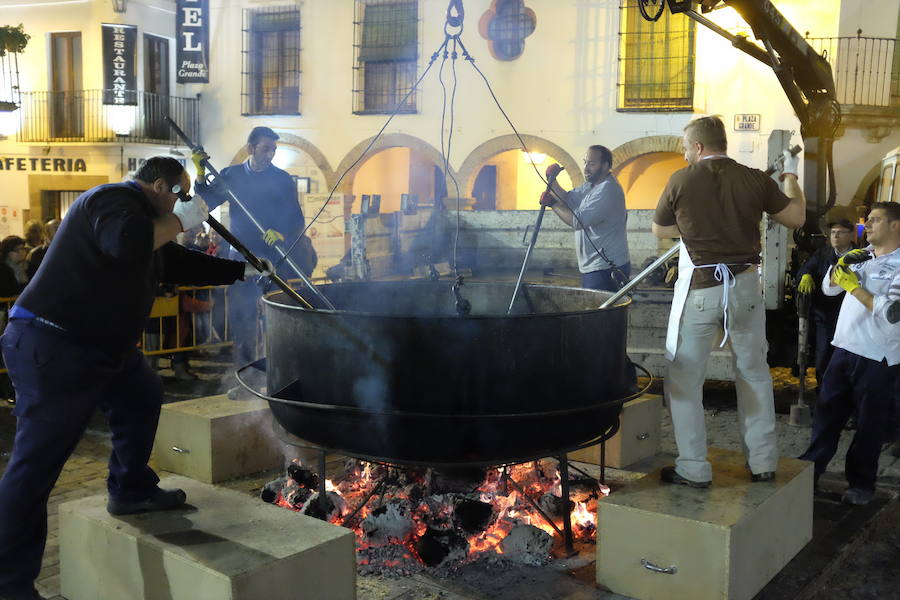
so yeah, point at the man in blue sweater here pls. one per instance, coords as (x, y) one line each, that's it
(270, 195)
(71, 347)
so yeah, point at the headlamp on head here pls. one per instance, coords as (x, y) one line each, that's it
(182, 195)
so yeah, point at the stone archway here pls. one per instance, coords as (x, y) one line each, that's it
(352, 163)
(646, 145)
(865, 183)
(643, 167)
(476, 158)
(298, 143)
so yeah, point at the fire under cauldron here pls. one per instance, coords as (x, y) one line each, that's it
(395, 374)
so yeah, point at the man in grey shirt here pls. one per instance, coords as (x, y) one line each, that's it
(596, 211)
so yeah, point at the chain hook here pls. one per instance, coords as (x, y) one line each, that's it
(454, 20)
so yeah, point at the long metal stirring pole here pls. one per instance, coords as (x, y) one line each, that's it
(253, 220)
(642, 275)
(534, 234)
(531, 244)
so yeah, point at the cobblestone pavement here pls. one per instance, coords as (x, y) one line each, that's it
(871, 574)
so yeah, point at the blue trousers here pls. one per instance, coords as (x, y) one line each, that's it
(852, 381)
(603, 279)
(243, 314)
(824, 334)
(59, 383)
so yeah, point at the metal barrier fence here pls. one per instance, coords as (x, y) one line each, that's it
(866, 69)
(191, 317)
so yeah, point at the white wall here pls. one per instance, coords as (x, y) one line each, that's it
(40, 18)
(563, 87)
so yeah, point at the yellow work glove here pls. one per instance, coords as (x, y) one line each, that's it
(197, 157)
(271, 236)
(806, 285)
(845, 278)
(854, 257)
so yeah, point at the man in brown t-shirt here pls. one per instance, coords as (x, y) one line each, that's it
(715, 205)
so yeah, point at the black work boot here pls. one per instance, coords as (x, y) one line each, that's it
(23, 594)
(159, 500)
(670, 475)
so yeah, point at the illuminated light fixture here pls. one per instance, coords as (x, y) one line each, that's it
(9, 122)
(536, 157)
(120, 6)
(121, 119)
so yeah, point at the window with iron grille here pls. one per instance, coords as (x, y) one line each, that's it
(387, 51)
(271, 61)
(511, 24)
(656, 61)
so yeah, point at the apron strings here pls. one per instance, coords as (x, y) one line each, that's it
(723, 274)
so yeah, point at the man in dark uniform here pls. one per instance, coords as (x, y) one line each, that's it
(70, 347)
(270, 194)
(825, 308)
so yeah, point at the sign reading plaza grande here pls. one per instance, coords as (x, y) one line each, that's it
(746, 122)
(192, 55)
(24, 163)
(119, 64)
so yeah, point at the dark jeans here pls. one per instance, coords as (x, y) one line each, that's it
(59, 383)
(852, 381)
(603, 279)
(242, 317)
(824, 332)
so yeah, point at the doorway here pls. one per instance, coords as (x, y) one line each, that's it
(66, 94)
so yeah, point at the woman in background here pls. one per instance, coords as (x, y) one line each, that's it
(13, 254)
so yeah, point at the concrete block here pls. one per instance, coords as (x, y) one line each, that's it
(213, 439)
(638, 436)
(226, 546)
(727, 541)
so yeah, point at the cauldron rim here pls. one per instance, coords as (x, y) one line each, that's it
(622, 304)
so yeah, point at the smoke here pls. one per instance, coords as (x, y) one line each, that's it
(372, 393)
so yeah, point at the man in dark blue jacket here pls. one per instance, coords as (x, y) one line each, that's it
(70, 347)
(270, 195)
(825, 308)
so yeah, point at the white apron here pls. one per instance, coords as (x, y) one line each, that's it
(682, 286)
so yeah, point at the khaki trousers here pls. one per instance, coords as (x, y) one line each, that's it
(702, 324)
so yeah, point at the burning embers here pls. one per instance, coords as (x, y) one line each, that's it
(407, 519)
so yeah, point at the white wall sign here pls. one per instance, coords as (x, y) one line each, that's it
(748, 122)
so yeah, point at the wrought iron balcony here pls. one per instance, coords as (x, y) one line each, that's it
(866, 70)
(81, 116)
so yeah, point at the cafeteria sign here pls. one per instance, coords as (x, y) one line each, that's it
(119, 64)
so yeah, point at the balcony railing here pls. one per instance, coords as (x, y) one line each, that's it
(81, 116)
(866, 69)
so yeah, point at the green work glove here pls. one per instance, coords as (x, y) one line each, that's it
(845, 278)
(806, 285)
(197, 157)
(854, 257)
(271, 236)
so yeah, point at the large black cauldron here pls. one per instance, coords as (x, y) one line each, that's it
(396, 374)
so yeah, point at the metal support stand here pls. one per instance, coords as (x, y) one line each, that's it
(567, 513)
(603, 462)
(323, 499)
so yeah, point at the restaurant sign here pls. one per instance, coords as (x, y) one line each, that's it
(119, 64)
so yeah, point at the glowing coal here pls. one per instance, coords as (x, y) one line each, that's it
(418, 518)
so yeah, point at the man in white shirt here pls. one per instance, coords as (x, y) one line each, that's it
(865, 366)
